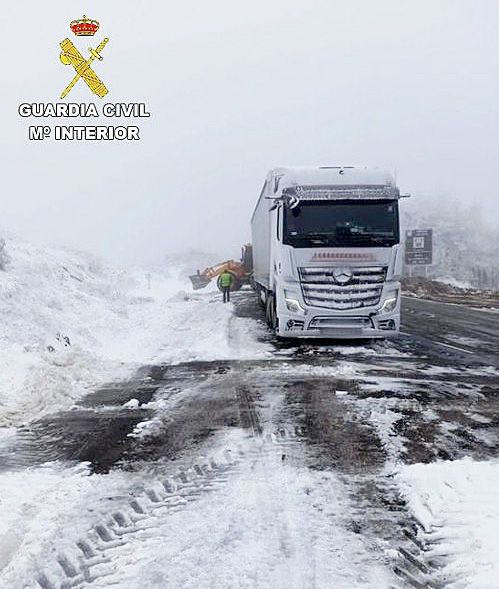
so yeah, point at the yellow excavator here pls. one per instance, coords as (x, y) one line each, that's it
(241, 271)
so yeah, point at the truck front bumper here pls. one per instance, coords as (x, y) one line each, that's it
(336, 327)
(297, 319)
(319, 323)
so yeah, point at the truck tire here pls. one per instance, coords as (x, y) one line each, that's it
(259, 292)
(271, 313)
(268, 301)
(274, 321)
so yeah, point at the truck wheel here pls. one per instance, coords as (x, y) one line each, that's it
(271, 313)
(259, 292)
(268, 305)
(274, 321)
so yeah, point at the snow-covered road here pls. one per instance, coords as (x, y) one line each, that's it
(175, 443)
(242, 518)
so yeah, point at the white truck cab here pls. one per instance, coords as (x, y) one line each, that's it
(326, 252)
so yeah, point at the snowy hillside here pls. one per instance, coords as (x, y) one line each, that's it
(465, 242)
(70, 322)
(66, 322)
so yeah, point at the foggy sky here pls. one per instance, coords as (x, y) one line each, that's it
(234, 89)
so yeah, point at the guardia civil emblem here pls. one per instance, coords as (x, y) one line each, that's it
(70, 55)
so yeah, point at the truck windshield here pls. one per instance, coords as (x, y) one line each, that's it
(345, 223)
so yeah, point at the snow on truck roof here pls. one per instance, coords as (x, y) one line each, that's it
(333, 182)
(333, 175)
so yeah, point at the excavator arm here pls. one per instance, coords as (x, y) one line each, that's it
(202, 279)
(239, 270)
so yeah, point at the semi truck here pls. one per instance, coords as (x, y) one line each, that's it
(327, 258)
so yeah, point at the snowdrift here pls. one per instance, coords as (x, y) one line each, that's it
(71, 322)
(68, 322)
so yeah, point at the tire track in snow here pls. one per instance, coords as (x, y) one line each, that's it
(91, 558)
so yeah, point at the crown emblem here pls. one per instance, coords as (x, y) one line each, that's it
(84, 27)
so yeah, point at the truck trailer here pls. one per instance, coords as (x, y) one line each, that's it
(326, 252)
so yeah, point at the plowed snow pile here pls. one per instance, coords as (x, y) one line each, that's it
(70, 322)
(66, 324)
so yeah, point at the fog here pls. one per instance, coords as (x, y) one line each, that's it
(235, 89)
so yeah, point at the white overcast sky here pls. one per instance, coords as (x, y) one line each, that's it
(234, 89)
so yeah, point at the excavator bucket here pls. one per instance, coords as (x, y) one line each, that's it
(199, 281)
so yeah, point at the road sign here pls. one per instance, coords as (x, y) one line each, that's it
(419, 247)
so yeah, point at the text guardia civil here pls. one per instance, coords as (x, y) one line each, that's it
(82, 111)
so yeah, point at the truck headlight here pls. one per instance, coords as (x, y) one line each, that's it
(389, 305)
(292, 304)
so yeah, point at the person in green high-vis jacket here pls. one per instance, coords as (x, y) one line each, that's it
(226, 279)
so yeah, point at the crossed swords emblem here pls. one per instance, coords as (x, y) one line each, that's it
(71, 56)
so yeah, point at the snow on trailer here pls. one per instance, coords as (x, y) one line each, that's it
(326, 246)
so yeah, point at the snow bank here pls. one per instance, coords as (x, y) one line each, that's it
(70, 322)
(457, 503)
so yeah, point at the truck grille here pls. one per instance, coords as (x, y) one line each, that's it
(362, 288)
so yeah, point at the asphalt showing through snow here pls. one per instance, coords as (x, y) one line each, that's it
(459, 328)
(345, 409)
